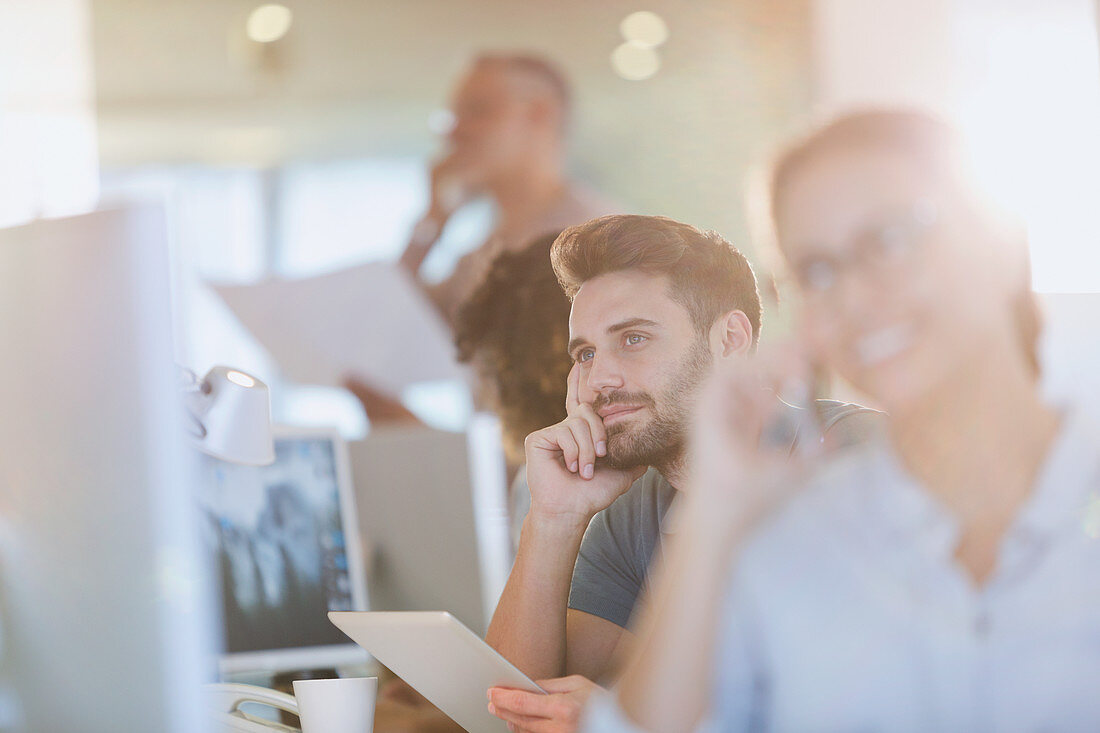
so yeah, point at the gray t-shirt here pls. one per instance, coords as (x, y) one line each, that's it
(620, 542)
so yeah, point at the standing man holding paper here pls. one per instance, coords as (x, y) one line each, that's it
(508, 142)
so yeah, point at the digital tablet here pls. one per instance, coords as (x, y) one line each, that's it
(438, 657)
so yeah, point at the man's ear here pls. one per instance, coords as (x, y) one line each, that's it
(731, 335)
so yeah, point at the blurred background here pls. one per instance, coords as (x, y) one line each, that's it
(295, 141)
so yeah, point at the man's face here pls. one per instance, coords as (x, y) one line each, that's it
(641, 362)
(492, 123)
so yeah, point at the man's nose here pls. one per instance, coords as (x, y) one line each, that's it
(604, 373)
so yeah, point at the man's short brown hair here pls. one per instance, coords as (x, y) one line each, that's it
(707, 274)
(543, 74)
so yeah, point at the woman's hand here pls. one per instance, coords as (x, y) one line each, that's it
(749, 448)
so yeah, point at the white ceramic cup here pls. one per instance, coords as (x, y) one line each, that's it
(336, 706)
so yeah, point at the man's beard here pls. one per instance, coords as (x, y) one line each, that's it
(661, 441)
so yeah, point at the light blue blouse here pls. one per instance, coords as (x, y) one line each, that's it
(848, 611)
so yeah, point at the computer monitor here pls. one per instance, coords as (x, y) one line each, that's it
(105, 624)
(433, 510)
(286, 545)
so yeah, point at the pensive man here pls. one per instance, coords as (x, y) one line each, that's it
(656, 304)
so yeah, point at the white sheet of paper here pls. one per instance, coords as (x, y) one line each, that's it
(370, 321)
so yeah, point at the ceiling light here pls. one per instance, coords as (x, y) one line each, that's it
(634, 61)
(644, 28)
(268, 23)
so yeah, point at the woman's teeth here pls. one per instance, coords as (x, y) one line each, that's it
(884, 344)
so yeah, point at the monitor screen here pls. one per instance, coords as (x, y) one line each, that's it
(285, 543)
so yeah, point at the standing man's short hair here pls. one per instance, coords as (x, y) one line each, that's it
(707, 274)
(539, 73)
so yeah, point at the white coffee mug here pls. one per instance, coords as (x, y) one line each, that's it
(336, 706)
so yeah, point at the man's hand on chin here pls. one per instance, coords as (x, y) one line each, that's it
(558, 712)
(566, 484)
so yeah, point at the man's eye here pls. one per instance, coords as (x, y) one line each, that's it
(584, 355)
(634, 338)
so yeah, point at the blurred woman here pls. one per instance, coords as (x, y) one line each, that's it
(946, 577)
(514, 329)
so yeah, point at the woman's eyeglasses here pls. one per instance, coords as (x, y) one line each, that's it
(880, 249)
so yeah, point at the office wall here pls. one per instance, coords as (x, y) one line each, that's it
(177, 82)
(47, 122)
(1020, 78)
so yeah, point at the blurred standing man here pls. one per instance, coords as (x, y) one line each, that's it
(508, 141)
